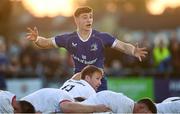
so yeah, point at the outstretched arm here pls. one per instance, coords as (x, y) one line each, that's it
(75, 107)
(131, 50)
(41, 42)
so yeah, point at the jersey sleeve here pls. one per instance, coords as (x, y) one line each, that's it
(65, 96)
(108, 40)
(6, 102)
(86, 91)
(60, 40)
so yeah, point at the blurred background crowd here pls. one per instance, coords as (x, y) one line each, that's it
(153, 24)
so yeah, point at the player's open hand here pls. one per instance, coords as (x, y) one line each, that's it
(32, 34)
(102, 108)
(140, 52)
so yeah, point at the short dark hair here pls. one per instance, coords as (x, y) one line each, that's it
(149, 103)
(84, 9)
(89, 70)
(26, 107)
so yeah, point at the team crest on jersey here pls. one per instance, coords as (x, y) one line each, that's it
(94, 47)
(74, 44)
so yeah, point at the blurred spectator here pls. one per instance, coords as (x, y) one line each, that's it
(3, 64)
(147, 65)
(53, 66)
(124, 57)
(175, 52)
(14, 68)
(14, 48)
(161, 53)
(27, 69)
(28, 59)
(64, 64)
(147, 62)
(115, 68)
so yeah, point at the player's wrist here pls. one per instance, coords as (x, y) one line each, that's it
(37, 39)
(133, 51)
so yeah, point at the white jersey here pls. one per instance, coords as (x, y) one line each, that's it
(170, 99)
(117, 102)
(6, 98)
(78, 88)
(47, 99)
(169, 106)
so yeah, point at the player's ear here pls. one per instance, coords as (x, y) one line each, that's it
(87, 77)
(76, 20)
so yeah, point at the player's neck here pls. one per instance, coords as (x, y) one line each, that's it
(84, 34)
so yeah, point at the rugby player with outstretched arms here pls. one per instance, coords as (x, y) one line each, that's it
(86, 45)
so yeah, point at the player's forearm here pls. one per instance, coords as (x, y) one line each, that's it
(129, 49)
(44, 43)
(125, 48)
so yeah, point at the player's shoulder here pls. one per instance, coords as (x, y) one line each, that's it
(47, 90)
(6, 93)
(171, 99)
(101, 35)
(71, 33)
(98, 33)
(110, 92)
(67, 34)
(76, 82)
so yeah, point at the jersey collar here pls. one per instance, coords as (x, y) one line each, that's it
(82, 38)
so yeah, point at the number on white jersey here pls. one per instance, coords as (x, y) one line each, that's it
(68, 87)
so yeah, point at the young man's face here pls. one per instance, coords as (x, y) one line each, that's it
(94, 80)
(84, 21)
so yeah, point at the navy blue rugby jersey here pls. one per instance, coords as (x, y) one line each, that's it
(89, 52)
